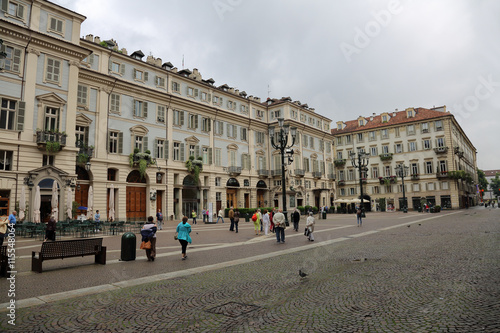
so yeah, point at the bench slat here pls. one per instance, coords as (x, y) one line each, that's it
(70, 248)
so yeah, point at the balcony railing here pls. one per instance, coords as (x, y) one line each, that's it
(331, 176)
(415, 176)
(442, 174)
(276, 172)
(234, 170)
(317, 174)
(55, 140)
(300, 172)
(386, 157)
(339, 162)
(341, 182)
(263, 172)
(441, 150)
(387, 180)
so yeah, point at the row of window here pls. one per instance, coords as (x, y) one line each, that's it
(387, 170)
(384, 133)
(18, 11)
(417, 187)
(398, 148)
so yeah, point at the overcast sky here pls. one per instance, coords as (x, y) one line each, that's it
(343, 58)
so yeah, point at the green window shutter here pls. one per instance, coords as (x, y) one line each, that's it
(249, 162)
(182, 117)
(144, 143)
(243, 161)
(120, 143)
(221, 127)
(20, 116)
(209, 125)
(122, 69)
(167, 149)
(155, 149)
(196, 121)
(135, 107)
(228, 129)
(196, 151)
(264, 163)
(146, 76)
(16, 60)
(235, 131)
(145, 111)
(209, 155)
(209, 97)
(110, 64)
(182, 151)
(4, 5)
(135, 73)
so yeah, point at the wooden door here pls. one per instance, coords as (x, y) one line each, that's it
(231, 198)
(81, 197)
(247, 200)
(159, 201)
(136, 203)
(260, 198)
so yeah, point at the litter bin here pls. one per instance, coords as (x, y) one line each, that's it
(324, 215)
(128, 246)
(247, 217)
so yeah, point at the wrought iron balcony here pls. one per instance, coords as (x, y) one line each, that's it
(341, 182)
(52, 141)
(263, 172)
(300, 172)
(339, 163)
(276, 172)
(234, 170)
(386, 157)
(442, 174)
(331, 176)
(317, 174)
(415, 176)
(441, 150)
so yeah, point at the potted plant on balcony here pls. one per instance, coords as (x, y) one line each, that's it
(143, 160)
(52, 146)
(194, 166)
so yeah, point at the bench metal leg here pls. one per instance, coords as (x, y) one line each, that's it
(36, 263)
(100, 257)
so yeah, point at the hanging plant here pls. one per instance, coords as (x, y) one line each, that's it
(52, 146)
(143, 164)
(143, 160)
(194, 166)
(82, 158)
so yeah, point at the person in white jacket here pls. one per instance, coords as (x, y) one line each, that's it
(265, 222)
(310, 225)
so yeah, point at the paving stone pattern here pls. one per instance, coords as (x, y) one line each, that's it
(440, 276)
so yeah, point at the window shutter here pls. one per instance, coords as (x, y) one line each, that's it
(122, 69)
(146, 76)
(221, 127)
(196, 93)
(145, 111)
(120, 143)
(16, 60)
(182, 117)
(209, 97)
(264, 164)
(20, 11)
(135, 107)
(110, 64)
(182, 151)
(155, 148)
(91, 59)
(135, 73)
(243, 161)
(228, 129)
(167, 148)
(20, 116)
(4, 5)
(196, 151)
(196, 121)
(52, 23)
(220, 101)
(209, 125)
(144, 143)
(235, 131)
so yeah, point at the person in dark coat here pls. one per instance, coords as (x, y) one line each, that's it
(296, 219)
(50, 231)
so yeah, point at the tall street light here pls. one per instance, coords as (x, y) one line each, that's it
(281, 145)
(402, 171)
(361, 164)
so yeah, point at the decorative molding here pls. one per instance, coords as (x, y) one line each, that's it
(34, 51)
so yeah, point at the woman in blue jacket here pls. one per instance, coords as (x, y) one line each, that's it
(182, 232)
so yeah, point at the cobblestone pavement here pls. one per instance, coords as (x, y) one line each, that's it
(408, 274)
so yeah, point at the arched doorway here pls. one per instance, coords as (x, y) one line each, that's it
(190, 196)
(261, 193)
(232, 186)
(46, 198)
(136, 196)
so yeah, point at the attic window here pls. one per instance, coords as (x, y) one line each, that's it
(409, 113)
(339, 126)
(361, 122)
(384, 119)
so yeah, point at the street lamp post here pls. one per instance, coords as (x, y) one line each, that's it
(361, 164)
(402, 171)
(281, 145)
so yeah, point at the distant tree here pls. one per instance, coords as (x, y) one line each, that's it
(495, 184)
(483, 182)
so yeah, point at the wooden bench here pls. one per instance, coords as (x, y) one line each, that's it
(68, 249)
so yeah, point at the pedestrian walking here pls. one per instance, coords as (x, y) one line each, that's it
(12, 220)
(159, 219)
(204, 214)
(148, 233)
(358, 216)
(231, 218)
(182, 234)
(279, 226)
(310, 227)
(50, 230)
(256, 222)
(220, 216)
(271, 223)
(97, 221)
(193, 215)
(296, 219)
(236, 219)
(265, 222)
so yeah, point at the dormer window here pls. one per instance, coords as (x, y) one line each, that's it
(137, 54)
(409, 114)
(361, 122)
(384, 118)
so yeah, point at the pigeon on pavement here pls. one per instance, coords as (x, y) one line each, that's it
(302, 274)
